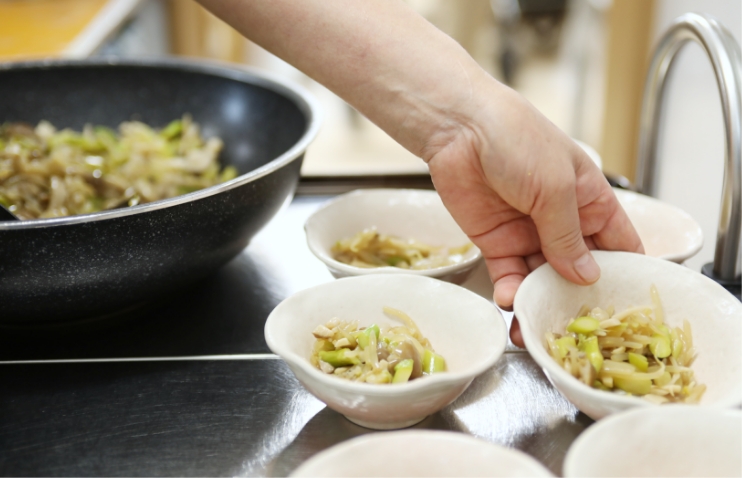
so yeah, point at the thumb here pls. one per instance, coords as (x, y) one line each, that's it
(558, 223)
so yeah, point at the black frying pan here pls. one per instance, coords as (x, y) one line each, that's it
(79, 267)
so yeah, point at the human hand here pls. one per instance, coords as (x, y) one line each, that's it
(521, 189)
(525, 193)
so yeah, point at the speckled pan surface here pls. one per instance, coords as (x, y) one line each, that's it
(56, 270)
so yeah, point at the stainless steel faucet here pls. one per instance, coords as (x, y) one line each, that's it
(726, 59)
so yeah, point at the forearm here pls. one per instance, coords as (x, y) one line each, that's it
(380, 56)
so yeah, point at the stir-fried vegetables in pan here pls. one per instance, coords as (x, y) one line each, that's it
(374, 355)
(368, 248)
(49, 173)
(632, 352)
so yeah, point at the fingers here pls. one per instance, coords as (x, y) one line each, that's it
(535, 261)
(517, 237)
(604, 218)
(515, 334)
(618, 234)
(506, 273)
(558, 224)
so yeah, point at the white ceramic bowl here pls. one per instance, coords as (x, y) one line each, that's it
(678, 440)
(545, 302)
(466, 329)
(666, 231)
(420, 453)
(406, 213)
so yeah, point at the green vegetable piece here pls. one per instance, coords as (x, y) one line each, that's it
(339, 358)
(639, 361)
(75, 139)
(375, 329)
(363, 339)
(592, 351)
(636, 386)
(564, 344)
(323, 345)
(583, 325)
(394, 260)
(402, 371)
(663, 380)
(172, 130)
(660, 346)
(364, 336)
(385, 377)
(188, 189)
(228, 173)
(433, 363)
(105, 135)
(96, 203)
(599, 385)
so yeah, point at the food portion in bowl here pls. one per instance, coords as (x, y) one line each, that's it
(45, 172)
(632, 351)
(465, 328)
(415, 216)
(395, 354)
(369, 248)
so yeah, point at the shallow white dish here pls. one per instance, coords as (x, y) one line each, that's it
(406, 213)
(420, 453)
(545, 302)
(666, 231)
(678, 440)
(467, 330)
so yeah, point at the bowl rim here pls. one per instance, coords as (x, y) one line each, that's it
(677, 256)
(576, 450)
(444, 436)
(319, 252)
(293, 359)
(306, 103)
(538, 352)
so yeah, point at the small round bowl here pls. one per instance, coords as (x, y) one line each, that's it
(406, 213)
(666, 231)
(545, 302)
(467, 330)
(420, 453)
(680, 440)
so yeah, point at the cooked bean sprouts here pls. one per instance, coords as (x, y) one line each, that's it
(49, 173)
(632, 352)
(368, 249)
(372, 355)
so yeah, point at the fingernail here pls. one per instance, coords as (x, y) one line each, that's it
(587, 268)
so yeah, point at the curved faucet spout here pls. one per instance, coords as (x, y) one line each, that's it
(726, 59)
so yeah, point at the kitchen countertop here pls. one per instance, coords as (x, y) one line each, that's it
(188, 387)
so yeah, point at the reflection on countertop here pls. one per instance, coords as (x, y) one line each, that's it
(187, 388)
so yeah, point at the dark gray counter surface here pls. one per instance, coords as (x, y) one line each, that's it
(188, 387)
